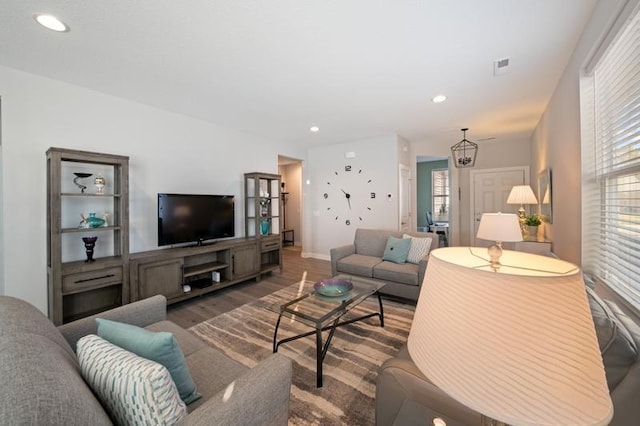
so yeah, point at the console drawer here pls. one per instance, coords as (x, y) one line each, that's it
(270, 244)
(91, 279)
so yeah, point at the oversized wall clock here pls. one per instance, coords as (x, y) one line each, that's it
(348, 196)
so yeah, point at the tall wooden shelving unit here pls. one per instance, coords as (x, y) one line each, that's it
(77, 288)
(263, 209)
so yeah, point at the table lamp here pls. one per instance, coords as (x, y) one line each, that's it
(517, 345)
(498, 227)
(522, 194)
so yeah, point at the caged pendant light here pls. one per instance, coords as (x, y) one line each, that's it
(464, 152)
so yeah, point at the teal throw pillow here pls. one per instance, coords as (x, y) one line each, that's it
(160, 347)
(397, 250)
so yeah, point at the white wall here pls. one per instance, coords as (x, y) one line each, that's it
(168, 153)
(378, 160)
(555, 142)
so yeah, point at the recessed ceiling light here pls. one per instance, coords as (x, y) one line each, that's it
(438, 99)
(52, 23)
(315, 129)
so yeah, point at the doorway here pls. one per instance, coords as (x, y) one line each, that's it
(290, 169)
(434, 202)
(490, 189)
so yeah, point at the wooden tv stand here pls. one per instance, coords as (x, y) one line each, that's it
(167, 271)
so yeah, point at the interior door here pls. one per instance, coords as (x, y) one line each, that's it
(490, 190)
(404, 198)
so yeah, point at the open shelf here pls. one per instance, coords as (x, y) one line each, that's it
(190, 271)
(99, 228)
(86, 194)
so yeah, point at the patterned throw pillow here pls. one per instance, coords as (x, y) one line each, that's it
(160, 347)
(396, 250)
(133, 389)
(419, 248)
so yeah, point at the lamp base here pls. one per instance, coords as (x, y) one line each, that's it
(495, 252)
(521, 219)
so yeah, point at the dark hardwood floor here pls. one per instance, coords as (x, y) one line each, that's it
(192, 311)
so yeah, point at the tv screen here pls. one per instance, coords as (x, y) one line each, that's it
(186, 218)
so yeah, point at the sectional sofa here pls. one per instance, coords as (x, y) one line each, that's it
(42, 381)
(364, 258)
(405, 396)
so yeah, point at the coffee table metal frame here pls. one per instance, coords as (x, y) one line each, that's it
(329, 320)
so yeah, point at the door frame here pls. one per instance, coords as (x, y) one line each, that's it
(404, 197)
(472, 189)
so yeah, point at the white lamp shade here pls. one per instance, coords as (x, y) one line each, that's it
(517, 345)
(499, 227)
(522, 194)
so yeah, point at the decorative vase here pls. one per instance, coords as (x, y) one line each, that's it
(94, 222)
(264, 227)
(89, 244)
(532, 231)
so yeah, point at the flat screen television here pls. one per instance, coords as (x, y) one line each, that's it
(193, 218)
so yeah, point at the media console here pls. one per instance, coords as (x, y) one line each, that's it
(202, 269)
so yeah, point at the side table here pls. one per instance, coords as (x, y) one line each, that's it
(288, 239)
(535, 246)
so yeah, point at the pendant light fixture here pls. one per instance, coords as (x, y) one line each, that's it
(464, 152)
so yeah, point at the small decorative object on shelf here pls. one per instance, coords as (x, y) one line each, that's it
(264, 206)
(92, 221)
(81, 176)
(105, 217)
(89, 244)
(99, 182)
(264, 227)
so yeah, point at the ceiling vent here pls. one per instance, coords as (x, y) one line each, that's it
(501, 66)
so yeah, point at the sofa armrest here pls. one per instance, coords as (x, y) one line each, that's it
(422, 269)
(625, 398)
(400, 385)
(141, 313)
(259, 397)
(338, 253)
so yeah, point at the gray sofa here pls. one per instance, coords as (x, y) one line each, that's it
(364, 258)
(42, 384)
(404, 396)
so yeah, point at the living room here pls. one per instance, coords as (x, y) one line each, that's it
(175, 147)
(165, 147)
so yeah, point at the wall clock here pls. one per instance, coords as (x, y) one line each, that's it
(348, 195)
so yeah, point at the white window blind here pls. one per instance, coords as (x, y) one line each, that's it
(440, 194)
(610, 113)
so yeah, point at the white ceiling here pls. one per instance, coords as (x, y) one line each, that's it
(355, 68)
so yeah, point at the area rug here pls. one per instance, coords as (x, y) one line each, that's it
(350, 366)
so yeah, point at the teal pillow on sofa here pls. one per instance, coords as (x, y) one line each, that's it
(160, 347)
(397, 250)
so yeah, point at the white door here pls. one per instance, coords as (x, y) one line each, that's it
(404, 198)
(490, 190)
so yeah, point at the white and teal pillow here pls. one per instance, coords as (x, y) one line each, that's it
(396, 250)
(418, 249)
(133, 389)
(160, 347)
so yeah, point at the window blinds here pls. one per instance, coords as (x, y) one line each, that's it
(440, 193)
(610, 99)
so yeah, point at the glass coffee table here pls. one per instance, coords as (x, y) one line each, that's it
(324, 313)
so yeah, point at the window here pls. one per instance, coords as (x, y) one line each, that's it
(610, 113)
(440, 194)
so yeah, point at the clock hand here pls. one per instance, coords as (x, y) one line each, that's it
(346, 194)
